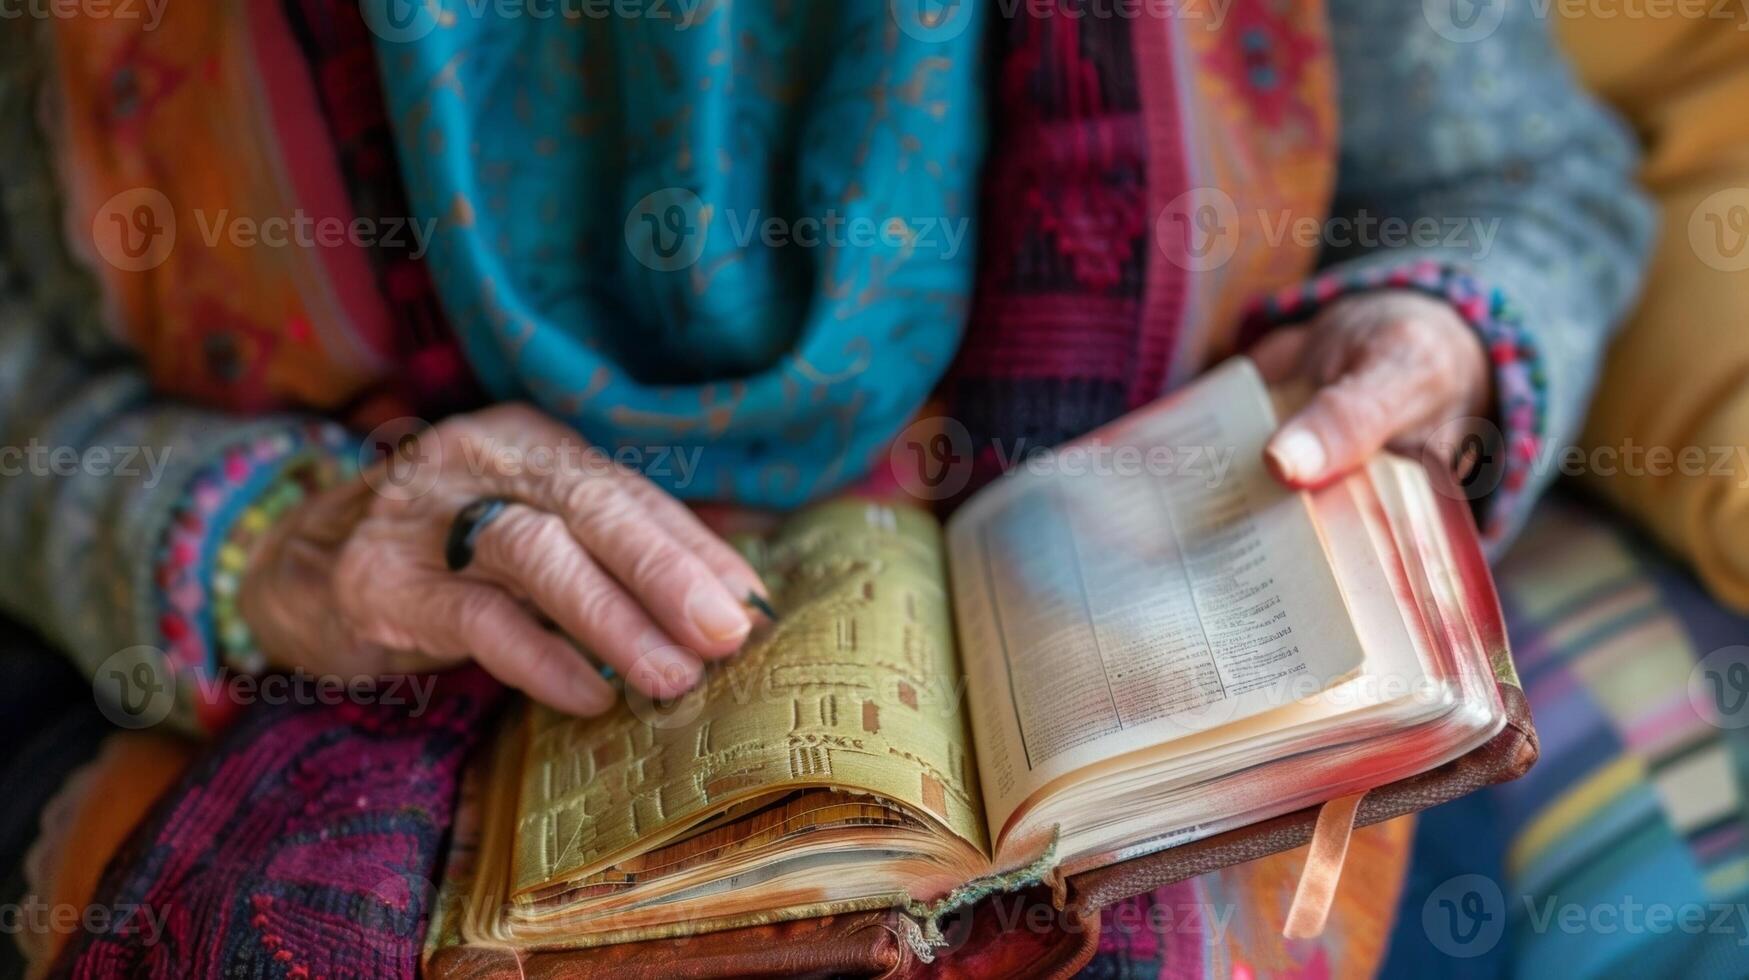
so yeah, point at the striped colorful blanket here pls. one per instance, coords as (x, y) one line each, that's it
(1624, 851)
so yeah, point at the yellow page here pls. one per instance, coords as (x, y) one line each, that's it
(857, 686)
(1149, 583)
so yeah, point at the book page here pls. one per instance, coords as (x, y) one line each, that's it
(1149, 582)
(856, 687)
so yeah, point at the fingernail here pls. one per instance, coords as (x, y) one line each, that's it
(716, 614)
(761, 605)
(1298, 455)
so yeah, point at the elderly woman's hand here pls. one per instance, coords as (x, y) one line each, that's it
(1388, 368)
(354, 582)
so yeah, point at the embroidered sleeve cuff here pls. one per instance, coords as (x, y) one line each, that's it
(239, 491)
(1520, 381)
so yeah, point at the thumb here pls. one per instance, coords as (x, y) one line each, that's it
(1347, 421)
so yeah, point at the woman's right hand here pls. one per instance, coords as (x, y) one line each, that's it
(353, 582)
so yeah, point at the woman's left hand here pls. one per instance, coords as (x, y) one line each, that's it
(1388, 368)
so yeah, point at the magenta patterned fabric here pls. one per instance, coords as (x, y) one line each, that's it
(303, 845)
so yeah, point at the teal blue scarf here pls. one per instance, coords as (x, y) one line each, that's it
(736, 249)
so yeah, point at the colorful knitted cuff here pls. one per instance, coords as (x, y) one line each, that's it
(1520, 382)
(223, 510)
(316, 470)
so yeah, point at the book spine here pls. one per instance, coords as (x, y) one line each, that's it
(920, 922)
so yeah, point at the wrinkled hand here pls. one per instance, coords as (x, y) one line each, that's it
(353, 582)
(1388, 368)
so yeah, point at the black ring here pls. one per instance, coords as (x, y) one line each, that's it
(458, 551)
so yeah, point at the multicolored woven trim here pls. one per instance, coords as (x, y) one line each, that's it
(300, 478)
(227, 504)
(1520, 382)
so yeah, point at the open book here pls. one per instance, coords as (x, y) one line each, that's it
(1112, 650)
